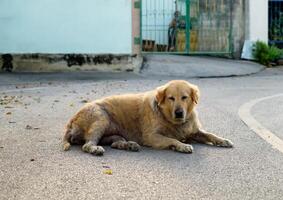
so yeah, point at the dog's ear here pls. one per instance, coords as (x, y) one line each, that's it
(194, 93)
(160, 94)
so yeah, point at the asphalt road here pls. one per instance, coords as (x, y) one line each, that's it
(33, 166)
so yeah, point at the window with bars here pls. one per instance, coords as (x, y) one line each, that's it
(275, 22)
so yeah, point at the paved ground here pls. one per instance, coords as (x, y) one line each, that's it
(155, 67)
(33, 166)
(271, 116)
(194, 66)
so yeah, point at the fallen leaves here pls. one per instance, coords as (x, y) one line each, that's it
(108, 171)
(8, 107)
(84, 101)
(5, 100)
(29, 127)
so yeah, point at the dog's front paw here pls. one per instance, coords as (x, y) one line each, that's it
(225, 143)
(133, 146)
(96, 150)
(184, 148)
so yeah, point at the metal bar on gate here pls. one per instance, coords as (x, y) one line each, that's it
(155, 24)
(188, 25)
(231, 48)
(164, 32)
(141, 26)
(208, 27)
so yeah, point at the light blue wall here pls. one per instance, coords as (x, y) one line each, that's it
(65, 26)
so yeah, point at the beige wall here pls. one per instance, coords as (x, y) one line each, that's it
(135, 28)
(257, 24)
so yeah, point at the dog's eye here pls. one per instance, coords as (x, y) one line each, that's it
(171, 98)
(184, 97)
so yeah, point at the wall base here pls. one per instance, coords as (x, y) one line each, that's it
(69, 62)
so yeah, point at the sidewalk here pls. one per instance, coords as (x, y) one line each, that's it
(155, 66)
(63, 77)
(197, 67)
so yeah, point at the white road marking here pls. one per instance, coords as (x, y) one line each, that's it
(255, 126)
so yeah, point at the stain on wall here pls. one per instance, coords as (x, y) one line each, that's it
(74, 59)
(62, 62)
(103, 59)
(77, 59)
(7, 62)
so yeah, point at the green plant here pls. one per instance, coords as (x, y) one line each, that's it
(265, 54)
(274, 53)
(261, 52)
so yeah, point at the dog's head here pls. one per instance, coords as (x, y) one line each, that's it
(176, 100)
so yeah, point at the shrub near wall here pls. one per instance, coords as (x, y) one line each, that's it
(267, 55)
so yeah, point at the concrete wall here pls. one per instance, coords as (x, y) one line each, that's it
(257, 20)
(66, 26)
(136, 31)
(238, 26)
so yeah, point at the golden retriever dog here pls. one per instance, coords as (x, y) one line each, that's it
(164, 118)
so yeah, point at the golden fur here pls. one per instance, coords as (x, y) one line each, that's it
(164, 118)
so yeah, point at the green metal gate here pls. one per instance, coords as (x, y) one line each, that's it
(186, 26)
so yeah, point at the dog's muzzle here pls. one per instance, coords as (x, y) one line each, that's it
(179, 113)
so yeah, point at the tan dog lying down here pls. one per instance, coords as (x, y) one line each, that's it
(164, 118)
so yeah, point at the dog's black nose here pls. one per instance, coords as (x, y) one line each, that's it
(179, 113)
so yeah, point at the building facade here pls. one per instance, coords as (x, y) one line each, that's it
(95, 34)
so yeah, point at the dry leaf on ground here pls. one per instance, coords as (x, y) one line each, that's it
(108, 171)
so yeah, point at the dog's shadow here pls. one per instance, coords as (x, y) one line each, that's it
(151, 158)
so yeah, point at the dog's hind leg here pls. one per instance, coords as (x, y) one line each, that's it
(93, 136)
(118, 142)
(72, 136)
(108, 140)
(67, 137)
